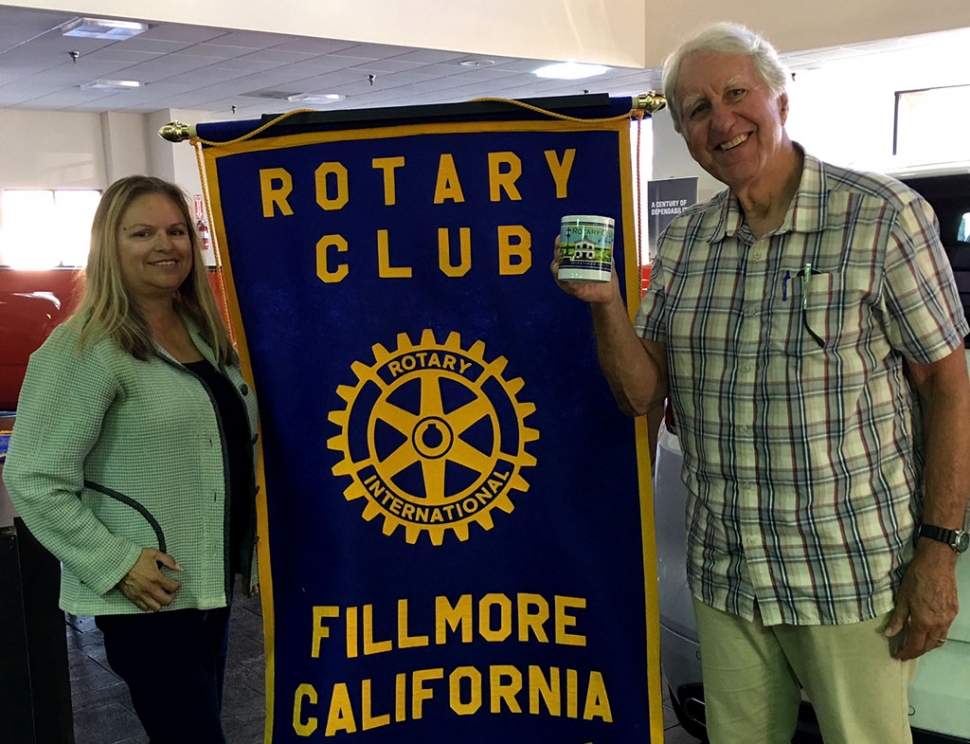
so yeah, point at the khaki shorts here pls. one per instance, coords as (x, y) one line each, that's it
(755, 676)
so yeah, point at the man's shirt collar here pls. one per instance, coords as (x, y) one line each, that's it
(807, 212)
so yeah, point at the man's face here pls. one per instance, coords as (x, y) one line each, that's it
(733, 125)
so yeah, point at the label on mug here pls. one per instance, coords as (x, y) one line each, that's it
(586, 248)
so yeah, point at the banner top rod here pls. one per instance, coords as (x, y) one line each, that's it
(649, 102)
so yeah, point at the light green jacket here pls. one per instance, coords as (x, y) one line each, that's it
(110, 455)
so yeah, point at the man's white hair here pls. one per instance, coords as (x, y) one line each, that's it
(724, 38)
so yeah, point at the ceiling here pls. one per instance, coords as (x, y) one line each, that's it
(215, 69)
(246, 74)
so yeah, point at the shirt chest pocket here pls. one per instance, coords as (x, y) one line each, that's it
(821, 312)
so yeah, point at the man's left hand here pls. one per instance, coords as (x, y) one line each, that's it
(927, 601)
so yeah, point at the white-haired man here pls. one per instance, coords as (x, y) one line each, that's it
(805, 326)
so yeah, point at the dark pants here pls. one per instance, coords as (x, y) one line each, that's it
(175, 665)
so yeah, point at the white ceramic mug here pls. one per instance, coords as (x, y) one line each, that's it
(586, 248)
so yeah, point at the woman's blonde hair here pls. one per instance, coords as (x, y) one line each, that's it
(106, 308)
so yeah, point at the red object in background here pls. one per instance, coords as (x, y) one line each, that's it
(200, 222)
(32, 304)
(644, 279)
(204, 235)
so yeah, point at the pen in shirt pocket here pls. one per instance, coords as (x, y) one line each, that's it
(806, 275)
(784, 286)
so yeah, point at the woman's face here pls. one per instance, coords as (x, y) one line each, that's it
(155, 248)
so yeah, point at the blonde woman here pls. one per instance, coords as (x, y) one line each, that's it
(132, 460)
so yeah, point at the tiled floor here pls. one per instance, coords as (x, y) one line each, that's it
(102, 708)
(673, 733)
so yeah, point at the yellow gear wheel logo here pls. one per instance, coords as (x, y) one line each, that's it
(433, 437)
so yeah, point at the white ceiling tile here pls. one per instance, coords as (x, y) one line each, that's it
(31, 21)
(387, 66)
(158, 46)
(193, 98)
(487, 74)
(344, 60)
(164, 67)
(429, 56)
(521, 65)
(248, 65)
(69, 98)
(277, 78)
(181, 32)
(314, 46)
(408, 78)
(278, 57)
(375, 51)
(253, 39)
(71, 75)
(211, 75)
(41, 58)
(12, 98)
(51, 46)
(217, 51)
(115, 54)
(316, 66)
(27, 84)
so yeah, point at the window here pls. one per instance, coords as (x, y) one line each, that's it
(931, 124)
(46, 229)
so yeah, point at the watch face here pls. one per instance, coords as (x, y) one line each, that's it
(962, 541)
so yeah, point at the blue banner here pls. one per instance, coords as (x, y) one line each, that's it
(456, 536)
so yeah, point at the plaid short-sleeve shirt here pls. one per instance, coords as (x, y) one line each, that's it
(802, 444)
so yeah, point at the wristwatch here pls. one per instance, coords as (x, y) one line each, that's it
(958, 540)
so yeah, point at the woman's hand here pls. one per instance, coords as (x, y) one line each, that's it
(146, 586)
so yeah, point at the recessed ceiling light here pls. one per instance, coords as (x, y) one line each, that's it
(102, 28)
(477, 62)
(315, 98)
(570, 71)
(111, 85)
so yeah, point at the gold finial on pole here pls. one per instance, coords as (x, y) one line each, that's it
(176, 131)
(651, 101)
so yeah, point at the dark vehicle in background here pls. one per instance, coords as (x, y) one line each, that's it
(940, 693)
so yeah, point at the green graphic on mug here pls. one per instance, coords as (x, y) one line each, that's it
(586, 248)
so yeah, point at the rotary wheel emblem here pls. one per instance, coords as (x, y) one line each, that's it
(433, 437)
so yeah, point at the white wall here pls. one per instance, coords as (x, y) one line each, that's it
(51, 150)
(796, 26)
(59, 149)
(123, 137)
